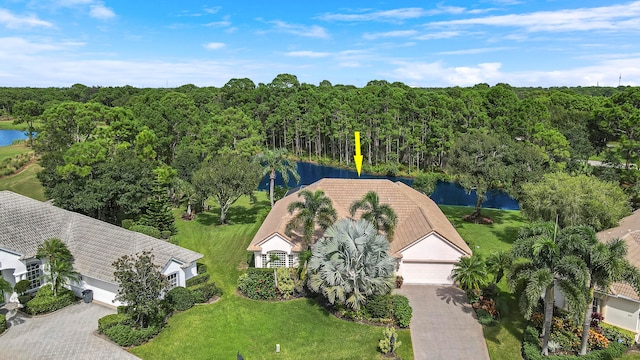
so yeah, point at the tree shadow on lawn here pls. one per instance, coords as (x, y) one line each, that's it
(235, 214)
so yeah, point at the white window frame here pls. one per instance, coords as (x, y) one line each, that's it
(34, 272)
(281, 262)
(173, 283)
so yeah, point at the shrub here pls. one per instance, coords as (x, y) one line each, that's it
(485, 318)
(45, 302)
(389, 343)
(402, 311)
(202, 268)
(22, 286)
(179, 299)
(531, 349)
(24, 299)
(111, 320)
(3, 323)
(128, 223)
(125, 335)
(258, 284)
(379, 307)
(198, 279)
(616, 334)
(286, 281)
(147, 230)
(122, 309)
(203, 292)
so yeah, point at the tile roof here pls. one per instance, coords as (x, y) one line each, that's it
(629, 230)
(25, 223)
(417, 214)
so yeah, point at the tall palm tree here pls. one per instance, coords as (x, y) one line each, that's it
(351, 263)
(470, 274)
(605, 262)
(274, 161)
(381, 216)
(540, 264)
(316, 208)
(58, 263)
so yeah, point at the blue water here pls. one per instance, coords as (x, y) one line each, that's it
(445, 194)
(8, 136)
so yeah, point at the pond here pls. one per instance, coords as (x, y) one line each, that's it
(8, 136)
(446, 193)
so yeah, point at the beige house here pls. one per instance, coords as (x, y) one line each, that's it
(425, 243)
(26, 223)
(620, 306)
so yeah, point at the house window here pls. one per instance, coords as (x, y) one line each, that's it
(33, 275)
(173, 280)
(595, 307)
(274, 259)
(291, 258)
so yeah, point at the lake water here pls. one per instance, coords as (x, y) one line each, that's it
(8, 136)
(445, 194)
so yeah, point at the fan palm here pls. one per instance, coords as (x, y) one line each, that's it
(351, 263)
(541, 264)
(277, 161)
(470, 274)
(381, 216)
(315, 209)
(605, 263)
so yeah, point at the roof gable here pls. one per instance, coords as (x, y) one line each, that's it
(25, 223)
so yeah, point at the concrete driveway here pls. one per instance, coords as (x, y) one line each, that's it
(66, 334)
(443, 324)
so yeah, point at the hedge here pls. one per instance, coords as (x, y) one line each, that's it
(401, 310)
(198, 279)
(258, 284)
(531, 349)
(45, 302)
(179, 299)
(125, 335)
(111, 320)
(203, 292)
(3, 323)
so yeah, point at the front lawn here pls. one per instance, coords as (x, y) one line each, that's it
(303, 329)
(504, 340)
(25, 183)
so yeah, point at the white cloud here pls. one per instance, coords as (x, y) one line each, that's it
(308, 54)
(19, 46)
(99, 11)
(214, 45)
(223, 23)
(400, 14)
(389, 34)
(350, 64)
(313, 31)
(440, 35)
(13, 21)
(615, 17)
(213, 10)
(473, 51)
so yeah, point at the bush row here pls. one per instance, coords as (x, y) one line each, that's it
(109, 321)
(391, 307)
(125, 335)
(45, 302)
(9, 166)
(198, 279)
(203, 292)
(258, 284)
(3, 323)
(531, 349)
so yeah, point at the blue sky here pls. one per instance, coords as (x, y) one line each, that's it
(419, 43)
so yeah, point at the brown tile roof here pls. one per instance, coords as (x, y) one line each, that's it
(417, 214)
(629, 230)
(25, 223)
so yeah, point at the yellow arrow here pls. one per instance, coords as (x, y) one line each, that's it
(357, 157)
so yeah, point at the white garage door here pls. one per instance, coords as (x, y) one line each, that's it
(427, 273)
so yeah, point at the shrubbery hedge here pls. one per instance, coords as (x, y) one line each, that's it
(147, 230)
(109, 321)
(258, 284)
(203, 292)
(179, 299)
(402, 311)
(198, 279)
(45, 302)
(379, 307)
(531, 349)
(21, 286)
(125, 335)
(3, 323)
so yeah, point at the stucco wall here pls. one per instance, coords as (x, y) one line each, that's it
(102, 290)
(174, 267)
(275, 243)
(432, 247)
(621, 312)
(11, 261)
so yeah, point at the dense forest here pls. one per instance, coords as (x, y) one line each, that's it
(105, 149)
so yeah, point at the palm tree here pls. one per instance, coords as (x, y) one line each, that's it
(5, 286)
(470, 274)
(381, 216)
(277, 160)
(540, 265)
(351, 263)
(316, 208)
(498, 263)
(58, 263)
(605, 263)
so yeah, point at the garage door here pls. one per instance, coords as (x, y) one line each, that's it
(427, 273)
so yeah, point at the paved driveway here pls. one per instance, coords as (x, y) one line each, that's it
(66, 334)
(443, 325)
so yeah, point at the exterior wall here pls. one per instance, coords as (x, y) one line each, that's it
(621, 312)
(102, 291)
(430, 248)
(275, 243)
(174, 267)
(190, 271)
(10, 261)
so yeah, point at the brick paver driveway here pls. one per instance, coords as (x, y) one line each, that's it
(443, 325)
(66, 334)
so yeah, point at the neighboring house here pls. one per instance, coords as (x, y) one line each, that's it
(425, 243)
(26, 223)
(620, 306)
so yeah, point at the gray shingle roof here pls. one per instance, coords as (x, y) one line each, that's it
(25, 223)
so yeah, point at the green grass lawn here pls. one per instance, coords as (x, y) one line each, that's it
(218, 331)
(503, 340)
(8, 125)
(25, 183)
